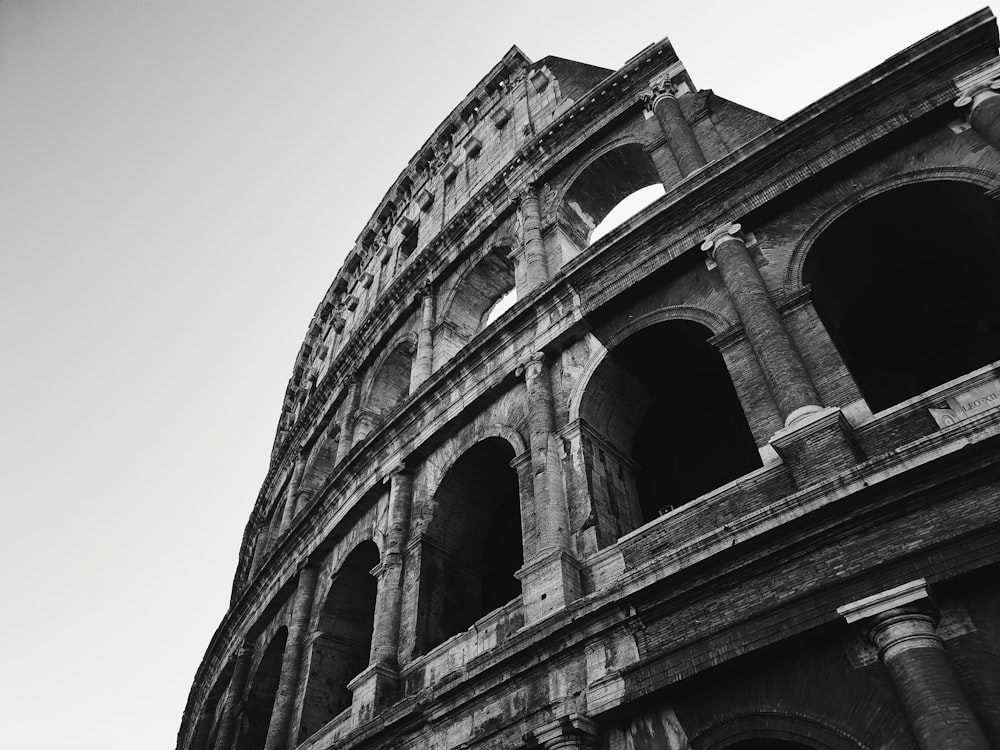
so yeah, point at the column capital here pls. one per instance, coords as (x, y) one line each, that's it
(976, 92)
(534, 366)
(573, 730)
(527, 192)
(725, 233)
(884, 602)
(661, 87)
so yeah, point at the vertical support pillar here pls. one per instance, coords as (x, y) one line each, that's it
(784, 371)
(537, 271)
(552, 579)
(570, 732)
(377, 686)
(234, 698)
(291, 662)
(292, 500)
(661, 99)
(347, 420)
(983, 101)
(423, 363)
(901, 622)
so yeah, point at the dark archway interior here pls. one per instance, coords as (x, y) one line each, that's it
(341, 645)
(767, 744)
(668, 422)
(904, 285)
(260, 697)
(468, 565)
(603, 185)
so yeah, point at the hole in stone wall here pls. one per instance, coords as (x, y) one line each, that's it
(628, 208)
(502, 305)
(903, 283)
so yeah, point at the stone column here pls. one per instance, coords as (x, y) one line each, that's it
(901, 622)
(291, 499)
(347, 419)
(385, 637)
(423, 363)
(376, 687)
(552, 579)
(784, 371)
(291, 661)
(537, 272)
(552, 517)
(983, 101)
(234, 698)
(661, 99)
(570, 732)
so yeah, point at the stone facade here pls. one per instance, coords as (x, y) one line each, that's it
(723, 478)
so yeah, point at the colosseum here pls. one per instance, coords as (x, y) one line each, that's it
(722, 477)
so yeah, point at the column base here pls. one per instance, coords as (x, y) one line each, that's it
(375, 689)
(548, 583)
(816, 444)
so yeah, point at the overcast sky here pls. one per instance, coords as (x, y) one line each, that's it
(179, 182)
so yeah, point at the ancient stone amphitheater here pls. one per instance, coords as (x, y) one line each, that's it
(725, 476)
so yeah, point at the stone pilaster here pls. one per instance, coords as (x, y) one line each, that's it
(536, 266)
(292, 498)
(784, 371)
(291, 662)
(552, 578)
(423, 362)
(385, 638)
(347, 420)
(902, 623)
(377, 686)
(234, 698)
(570, 732)
(661, 99)
(983, 103)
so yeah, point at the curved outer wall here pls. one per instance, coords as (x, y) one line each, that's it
(657, 503)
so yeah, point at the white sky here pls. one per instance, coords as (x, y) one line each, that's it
(179, 181)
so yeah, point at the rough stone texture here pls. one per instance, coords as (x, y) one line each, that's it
(711, 624)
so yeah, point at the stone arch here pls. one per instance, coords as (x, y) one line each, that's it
(660, 422)
(472, 545)
(466, 305)
(905, 302)
(388, 386)
(713, 321)
(793, 730)
(339, 647)
(263, 688)
(793, 273)
(598, 184)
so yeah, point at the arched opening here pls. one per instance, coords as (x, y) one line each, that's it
(260, 697)
(767, 744)
(607, 182)
(473, 546)
(391, 383)
(661, 424)
(903, 283)
(477, 295)
(390, 387)
(320, 459)
(341, 645)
